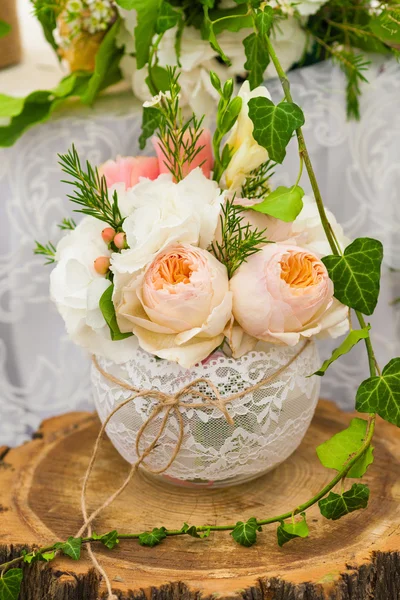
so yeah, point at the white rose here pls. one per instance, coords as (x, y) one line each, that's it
(76, 288)
(289, 41)
(163, 212)
(248, 154)
(179, 306)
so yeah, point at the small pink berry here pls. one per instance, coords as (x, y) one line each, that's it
(119, 240)
(101, 265)
(108, 234)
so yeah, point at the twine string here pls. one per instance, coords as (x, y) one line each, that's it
(170, 403)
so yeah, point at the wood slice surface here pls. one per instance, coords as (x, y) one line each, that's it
(355, 558)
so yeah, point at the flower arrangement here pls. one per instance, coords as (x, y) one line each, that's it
(103, 41)
(192, 250)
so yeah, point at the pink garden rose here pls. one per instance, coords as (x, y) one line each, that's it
(205, 155)
(129, 169)
(179, 306)
(284, 292)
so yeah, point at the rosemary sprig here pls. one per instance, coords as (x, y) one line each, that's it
(90, 190)
(257, 183)
(238, 240)
(67, 225)
(49, 251)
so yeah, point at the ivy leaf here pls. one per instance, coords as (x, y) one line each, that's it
(209, 33)
(71, 548)
(245, 534)
(337, 451)
(283, 203)
(5, 29)
(46, 15)
(386, 26)
(264, 20)
(10, 106)
(106, 71)
(150, 122)
(192, 530)
(160, 77)
(356, 274)
(257, 59)
(381, 394)
(167, 18)
(108, 311)
(32, 557)
(274, 125)
(10, 584)
(348, 343)
(289, 531)
(336, 506)
(232, 19)
(147, 15)
(152, 538)
(110, 540)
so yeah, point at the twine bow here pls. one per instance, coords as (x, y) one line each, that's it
(169, 403)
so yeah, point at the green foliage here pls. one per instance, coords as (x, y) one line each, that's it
(37, 556)
(5, 29)
(257, 183)
(336, 506)
(110, 539)
(212, 38)
(90, 190)
(283, 203)
(106, 71)
(67, 225)
(381, 394)
(356, 274)
(238, 241)
(192, 531)
(257, 59)
(348, 343)
(167, 18)
(46, 12)
(353, 66)
(291, 530)
(336, 452)
(72, 547)
(147, 15)
(274, 125)
(10, 106)
(245, 533)
(108, 311)
(49, 251)
(386, 25)
(10, 584)
(152, 538)
(150, 123)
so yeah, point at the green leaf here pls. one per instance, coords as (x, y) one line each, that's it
(36, 556)
(339, 449)
(108, 311)
(150, 121)
(274, 125)
(257, 59)
(167, 18)
(230, 116)
(231, 19)
(283, 203)
(152, 538)
(10, 106)
(209, 33)
(72, 547)
(107, 55)
(110, 539)
(160, 77)
(10, 584)
(386, 26)
(264, 20)
(245, 533)
(336, 506)
(381, 394)
(356, 274)
(46, 14)
(289, 531)
(147, 15)
(5, 29)
(348, 343)
(192, 530)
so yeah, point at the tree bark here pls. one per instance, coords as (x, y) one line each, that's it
(10, 44)
(355, 558)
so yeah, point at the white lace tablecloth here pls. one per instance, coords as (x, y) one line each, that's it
(358, 166)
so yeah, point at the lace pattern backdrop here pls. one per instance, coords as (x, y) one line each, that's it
(358, 166)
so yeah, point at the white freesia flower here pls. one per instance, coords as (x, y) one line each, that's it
(248, 154)
(163, 212)
(76, 288)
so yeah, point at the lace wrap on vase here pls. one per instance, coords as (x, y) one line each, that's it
(269, 423)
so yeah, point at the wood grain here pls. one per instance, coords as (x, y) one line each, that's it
(10, 44)
(356, 558)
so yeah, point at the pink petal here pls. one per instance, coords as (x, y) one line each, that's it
(205, 155)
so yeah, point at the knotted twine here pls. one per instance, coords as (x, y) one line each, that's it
(171, 404)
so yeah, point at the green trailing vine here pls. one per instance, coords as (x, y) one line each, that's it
(355, 272)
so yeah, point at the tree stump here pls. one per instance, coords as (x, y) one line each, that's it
(355, 558)
(10, 44)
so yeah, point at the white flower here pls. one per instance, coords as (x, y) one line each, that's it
(248, 154)
(289, 41)
(76, 288)
(309, 7)
(156, 99)
(163, 212)
(309, 233)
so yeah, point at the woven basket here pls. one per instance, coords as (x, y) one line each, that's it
(10, 44)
